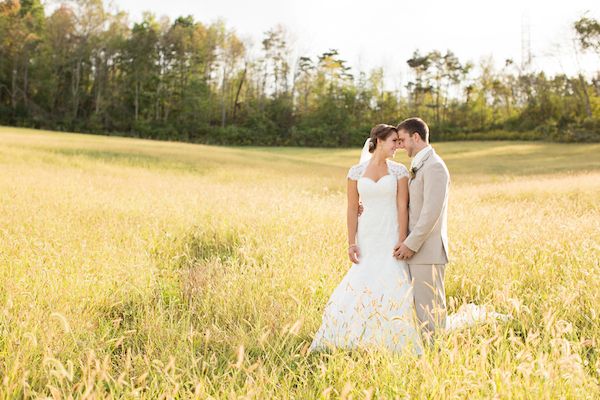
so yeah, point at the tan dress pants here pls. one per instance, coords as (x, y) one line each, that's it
(430, 297)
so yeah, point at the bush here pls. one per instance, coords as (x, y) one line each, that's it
(585, 132)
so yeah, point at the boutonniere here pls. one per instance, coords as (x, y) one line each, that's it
(413, 172)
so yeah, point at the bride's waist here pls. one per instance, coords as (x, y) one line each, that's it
(379, 203)
(378, 219)
(374, 212)
(376, 232)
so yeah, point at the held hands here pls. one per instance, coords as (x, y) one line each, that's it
(353, 253)
(402, 252)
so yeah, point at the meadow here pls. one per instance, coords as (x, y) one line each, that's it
(143, 269)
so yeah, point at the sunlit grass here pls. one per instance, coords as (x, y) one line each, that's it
(153, 269)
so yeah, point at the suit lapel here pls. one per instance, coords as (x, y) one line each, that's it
(421, 163)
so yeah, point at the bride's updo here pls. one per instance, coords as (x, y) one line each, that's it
(380, 131)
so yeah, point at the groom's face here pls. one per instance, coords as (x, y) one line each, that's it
(407, 142)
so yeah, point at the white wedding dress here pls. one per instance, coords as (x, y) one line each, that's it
(373, 305)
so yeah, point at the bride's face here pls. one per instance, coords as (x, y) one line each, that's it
(390, 145)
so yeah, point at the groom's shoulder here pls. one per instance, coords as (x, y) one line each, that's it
(436, 162)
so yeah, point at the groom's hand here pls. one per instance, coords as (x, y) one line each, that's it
(360, 209)
(402, 252)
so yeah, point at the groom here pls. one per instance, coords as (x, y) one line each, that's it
(426, 247)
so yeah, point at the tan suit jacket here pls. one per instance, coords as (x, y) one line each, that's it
(428, 211)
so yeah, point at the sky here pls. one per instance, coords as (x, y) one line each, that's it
(385, 33)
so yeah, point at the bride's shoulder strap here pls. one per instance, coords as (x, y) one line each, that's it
(356, 171)
(398, 170)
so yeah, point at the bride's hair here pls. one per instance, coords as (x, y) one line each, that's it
(380, 131)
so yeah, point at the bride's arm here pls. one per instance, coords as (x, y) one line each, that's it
(352, 220)
(402, 204)
(352, 215)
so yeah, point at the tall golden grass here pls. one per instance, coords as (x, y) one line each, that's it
(134, 268)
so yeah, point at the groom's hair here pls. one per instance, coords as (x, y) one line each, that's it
(415, 125)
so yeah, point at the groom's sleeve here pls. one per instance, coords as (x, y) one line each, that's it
(435, 182)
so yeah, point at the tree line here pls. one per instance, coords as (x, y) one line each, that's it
(84, 68)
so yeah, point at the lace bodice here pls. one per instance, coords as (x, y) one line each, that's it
(395, 169)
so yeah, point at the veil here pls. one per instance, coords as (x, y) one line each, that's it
(364, 154)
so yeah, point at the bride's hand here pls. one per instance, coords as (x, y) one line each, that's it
(353, 253)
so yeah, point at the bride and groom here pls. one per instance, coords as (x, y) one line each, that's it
(398, 246)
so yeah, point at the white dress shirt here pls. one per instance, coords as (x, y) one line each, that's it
(420, 156)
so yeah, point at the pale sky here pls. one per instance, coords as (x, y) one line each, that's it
(386, 32)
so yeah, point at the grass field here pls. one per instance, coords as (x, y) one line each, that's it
(134, 268)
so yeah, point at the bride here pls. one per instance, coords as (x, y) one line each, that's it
(372, 306)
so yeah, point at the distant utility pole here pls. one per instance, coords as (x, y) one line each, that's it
(525, 42)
